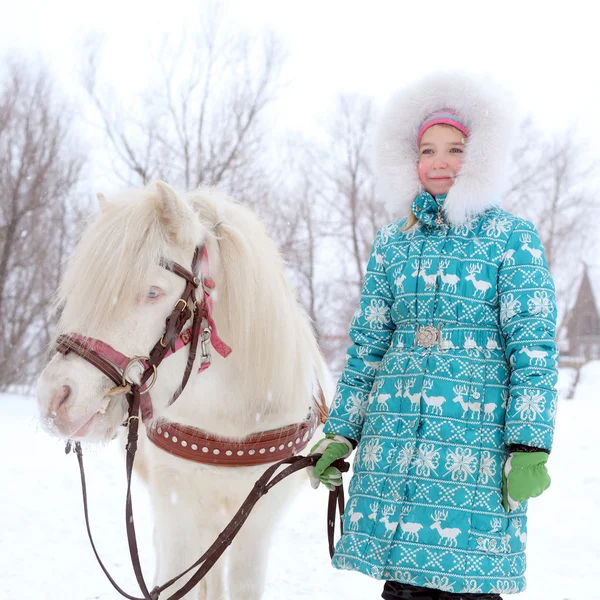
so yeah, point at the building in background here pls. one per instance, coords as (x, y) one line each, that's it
(580, 339)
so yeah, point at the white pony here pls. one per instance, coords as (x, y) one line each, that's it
(116, 291)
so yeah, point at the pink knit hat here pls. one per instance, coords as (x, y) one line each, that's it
(445, 116)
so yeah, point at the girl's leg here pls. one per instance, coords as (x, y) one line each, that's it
(393, 590)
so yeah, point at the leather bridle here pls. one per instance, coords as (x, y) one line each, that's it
(116, 366)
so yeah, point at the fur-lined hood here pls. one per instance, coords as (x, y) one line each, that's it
(488, 113)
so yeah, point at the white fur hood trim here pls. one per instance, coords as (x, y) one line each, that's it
(488, 113)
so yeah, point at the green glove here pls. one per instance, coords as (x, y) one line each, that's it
(524, 476)
(332, 447)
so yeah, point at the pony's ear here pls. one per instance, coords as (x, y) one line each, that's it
(174, 214)
(101, 201)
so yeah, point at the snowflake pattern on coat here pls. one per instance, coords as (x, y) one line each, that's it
(433, 424)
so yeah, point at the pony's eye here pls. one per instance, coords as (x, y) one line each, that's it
(154, 293)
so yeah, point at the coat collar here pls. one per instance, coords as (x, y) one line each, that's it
(429, 209)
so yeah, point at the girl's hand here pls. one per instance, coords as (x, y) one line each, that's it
(524, 476)
(332, 447)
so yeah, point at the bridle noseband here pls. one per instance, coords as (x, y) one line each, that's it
(116, 366)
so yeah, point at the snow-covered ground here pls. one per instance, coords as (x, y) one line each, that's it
(45, 554)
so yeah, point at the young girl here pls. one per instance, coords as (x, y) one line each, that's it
(448, 391)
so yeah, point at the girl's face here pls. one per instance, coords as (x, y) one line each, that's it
(440, 158)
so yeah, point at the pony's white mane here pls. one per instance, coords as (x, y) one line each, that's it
(256, 309)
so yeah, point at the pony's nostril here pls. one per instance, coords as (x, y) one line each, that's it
(66, 393)
(61, 396)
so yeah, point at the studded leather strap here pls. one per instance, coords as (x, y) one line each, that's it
(261, 448)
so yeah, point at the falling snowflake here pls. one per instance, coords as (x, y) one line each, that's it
(540, 304)
(487, 467)
(405, 456)
(509, 307)
(377, 314)
(496, 226)
(530, 405)
(355, 406)
(461, 464)
(427, 459)
(371, 454)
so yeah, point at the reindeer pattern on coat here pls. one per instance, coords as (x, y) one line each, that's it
(434, 421)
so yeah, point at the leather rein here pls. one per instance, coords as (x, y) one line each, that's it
(117, 366)
(268, 480)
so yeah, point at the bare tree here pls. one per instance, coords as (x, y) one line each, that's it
(356, 215)
(351, 217)
(327, 219)
(551, 187)
(39, 173)
(202, 121)
(302, 231)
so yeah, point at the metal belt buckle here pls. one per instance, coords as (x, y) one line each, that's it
(427, 336)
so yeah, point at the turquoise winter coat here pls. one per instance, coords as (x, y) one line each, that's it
(453, 360)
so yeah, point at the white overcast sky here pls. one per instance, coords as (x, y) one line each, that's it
(547, 52)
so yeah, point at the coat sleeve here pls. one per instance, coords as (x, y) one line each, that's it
(528, 323)
(371, 333)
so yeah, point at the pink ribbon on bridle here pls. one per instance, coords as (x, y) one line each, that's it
(208, 285)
